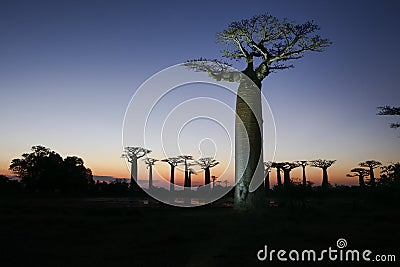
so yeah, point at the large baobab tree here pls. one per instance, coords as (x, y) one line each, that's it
(206, 164)
(287, 167)
(324, 165)
(185, 160)
(150, 162)
(393, 111)
(360, 173)
(303, 164)
(278, 167)
(266, 44)
(173, 162)
(371, 165)
(133, 154)
(267, 169)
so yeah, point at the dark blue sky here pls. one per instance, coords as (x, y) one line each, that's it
(69, 68)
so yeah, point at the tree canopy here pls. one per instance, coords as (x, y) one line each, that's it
(44, 170)
(266, 40)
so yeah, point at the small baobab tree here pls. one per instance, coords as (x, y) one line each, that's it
(173, 162)
(185, 160)
(150, 162)
(360, 173)
(190, 171)
(213, 178)
(278, 167)
(133, 154)
(266, 44)
(267, 169)
(371, 165)
(303, 164)
(206, 164)
(287, 167)
(324, 165)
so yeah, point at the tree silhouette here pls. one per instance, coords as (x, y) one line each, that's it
(390, 174)
(44, 170)
(324, 165)
(360, 173)
(133, 154)
(267, 169)
(303, 164)
(150, 162)
(371, 165)
(393, 111)
(278, 167)
(266, 44)
(173, 162)
(185, 159)
(190, 171)
(213, 178)
(206, 164)
(287, 167)
(75, 175)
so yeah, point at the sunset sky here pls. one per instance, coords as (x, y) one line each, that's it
(68, 70)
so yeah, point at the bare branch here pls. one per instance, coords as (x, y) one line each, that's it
(272, 40)
(216, 69)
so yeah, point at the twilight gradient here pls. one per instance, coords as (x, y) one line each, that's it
(69, 68)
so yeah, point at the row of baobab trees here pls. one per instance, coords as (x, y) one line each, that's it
(365, 168)
(133, 154)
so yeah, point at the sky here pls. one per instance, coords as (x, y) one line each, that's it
(69, 69)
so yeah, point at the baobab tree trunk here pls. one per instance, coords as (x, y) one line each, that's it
(324, 178)
(278, 177)
(189, 179)
(207, 176)
(361, 180)
(248, 145)
(134, 185)
(372, 176)
(150, 177)
(304, 176)
(286, 178)
(186, 183)
(172, 179)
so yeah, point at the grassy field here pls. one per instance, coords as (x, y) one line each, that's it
(118, 232)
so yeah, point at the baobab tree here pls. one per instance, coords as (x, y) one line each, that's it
(266, 44)
(371, 164)
(360, 173)
(173, 162)
(278, 167)
(267, 169)
(185, 160)
(213, 178)
(324, 165)
(150, 162)
(287, 167)
(133, 154)
(303, 164)
(190, 171)
(206, 164)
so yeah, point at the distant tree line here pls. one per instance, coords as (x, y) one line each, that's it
(45, 171)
